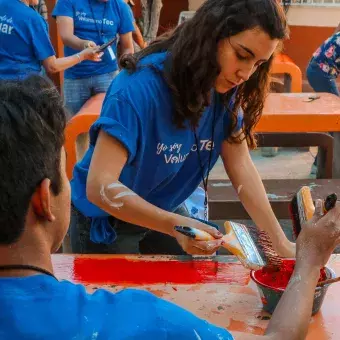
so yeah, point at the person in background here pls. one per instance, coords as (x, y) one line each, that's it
(25, 45)
(136, 34)
(41, 8)
(83, 23)
(323, 70)
(34, 220)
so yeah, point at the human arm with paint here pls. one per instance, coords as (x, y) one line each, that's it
(315, 244)
(106, 191)
(248, 184)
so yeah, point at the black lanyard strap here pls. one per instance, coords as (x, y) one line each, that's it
(26, 267)
(206, 179)
(100, 32)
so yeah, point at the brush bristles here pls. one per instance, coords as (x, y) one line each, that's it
(273, 259)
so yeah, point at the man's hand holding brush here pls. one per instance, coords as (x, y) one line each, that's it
(315, 244)
(319, 236)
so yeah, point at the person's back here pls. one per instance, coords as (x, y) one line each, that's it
(40, 307)
(33, 223)
(24, 41)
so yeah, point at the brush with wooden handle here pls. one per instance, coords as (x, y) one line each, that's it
(302, 207)
(237, 240)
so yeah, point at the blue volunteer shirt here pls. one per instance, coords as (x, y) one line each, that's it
(163, 165)
(24, 40)
(39, 307)
(99, 22)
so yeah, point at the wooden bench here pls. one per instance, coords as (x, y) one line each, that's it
(225, 204)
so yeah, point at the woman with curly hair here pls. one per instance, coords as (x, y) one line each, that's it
(193, 95)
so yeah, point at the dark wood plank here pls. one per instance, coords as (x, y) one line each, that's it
(225, 204)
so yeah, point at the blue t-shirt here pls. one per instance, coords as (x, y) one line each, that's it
(39, 307)
(99, 22)
(24, 40)
(327, 56)
(163, 164)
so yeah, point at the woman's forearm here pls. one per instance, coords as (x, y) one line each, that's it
(54, 65)
(121, 202)
(74, 42)
(246, 180)
(248, 184)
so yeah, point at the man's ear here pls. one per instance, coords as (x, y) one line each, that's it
(41, 200)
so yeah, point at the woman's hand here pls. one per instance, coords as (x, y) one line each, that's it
(192, 246)
(91, 53)
(89, 43)
(287, 250)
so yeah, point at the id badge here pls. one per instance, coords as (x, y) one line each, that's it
(109, 54)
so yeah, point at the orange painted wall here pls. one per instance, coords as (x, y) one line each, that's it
(303, 43)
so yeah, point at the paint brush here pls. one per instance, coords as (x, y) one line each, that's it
(273, 260)
(237, 240)
(328, 282)
(302, 207)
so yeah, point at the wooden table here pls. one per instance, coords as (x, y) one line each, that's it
(291, 112)
(218, 290)
(283, 112)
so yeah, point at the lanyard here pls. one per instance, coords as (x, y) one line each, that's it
(206, 180)
(26, 267)
(100, 32)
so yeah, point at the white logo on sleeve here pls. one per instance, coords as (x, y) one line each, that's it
(6, 26)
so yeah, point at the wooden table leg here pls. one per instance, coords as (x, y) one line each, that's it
(336, 155)
(321, 163)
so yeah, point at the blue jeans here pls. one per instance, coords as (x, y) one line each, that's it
(319, 80)
(78, 91)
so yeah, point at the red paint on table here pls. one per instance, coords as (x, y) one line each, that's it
(141, 272)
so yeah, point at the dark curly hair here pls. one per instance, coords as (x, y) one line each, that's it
(193, 67)
(32, 123)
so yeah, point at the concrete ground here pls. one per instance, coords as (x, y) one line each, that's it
(289, 163)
